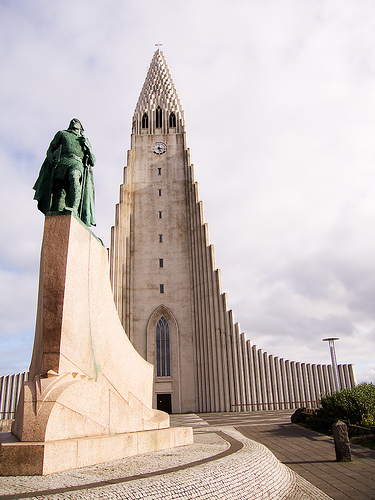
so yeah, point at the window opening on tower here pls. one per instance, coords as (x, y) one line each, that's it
(161, 263)
(172, 120)
(159, 170)
(163, 356)
(158, 117)
(145, 120)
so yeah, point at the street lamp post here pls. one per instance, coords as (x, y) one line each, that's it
(335, 369)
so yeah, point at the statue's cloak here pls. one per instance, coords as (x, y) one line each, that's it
(87, 207)
(43, 187)
(43, 192)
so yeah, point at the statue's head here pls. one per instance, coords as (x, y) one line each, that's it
(75, 124)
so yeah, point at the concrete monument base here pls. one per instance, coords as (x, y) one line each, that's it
(89, 394)
(40, 458)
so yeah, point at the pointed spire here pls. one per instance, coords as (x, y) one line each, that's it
(158, 97)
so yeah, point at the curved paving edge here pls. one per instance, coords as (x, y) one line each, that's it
(246, 470)
(234, 446)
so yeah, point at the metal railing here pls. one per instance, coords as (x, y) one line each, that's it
(276, 405)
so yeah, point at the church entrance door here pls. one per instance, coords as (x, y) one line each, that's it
(164, 402)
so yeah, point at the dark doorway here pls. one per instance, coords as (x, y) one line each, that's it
(164, 402)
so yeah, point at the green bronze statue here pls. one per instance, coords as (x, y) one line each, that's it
(65, 182)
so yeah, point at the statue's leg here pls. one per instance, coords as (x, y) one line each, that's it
(75, 188)
(58, 198)
(60, 188)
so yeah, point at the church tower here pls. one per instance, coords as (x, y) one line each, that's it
(151, 248)
(167, 290)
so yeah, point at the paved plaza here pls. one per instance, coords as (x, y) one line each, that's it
(230, 459)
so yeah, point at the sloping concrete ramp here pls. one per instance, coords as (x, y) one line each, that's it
(89, 395)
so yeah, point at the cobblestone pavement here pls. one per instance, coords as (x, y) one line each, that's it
(223, 463)
(309, 454)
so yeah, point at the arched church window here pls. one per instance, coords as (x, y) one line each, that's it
(145, 120)
(172, 120)
(163, 357)
(158, 117)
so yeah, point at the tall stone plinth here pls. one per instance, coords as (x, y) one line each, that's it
(89, 396)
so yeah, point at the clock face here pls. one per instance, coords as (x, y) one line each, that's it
(159, 148)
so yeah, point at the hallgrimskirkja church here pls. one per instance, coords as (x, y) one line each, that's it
(167, 290)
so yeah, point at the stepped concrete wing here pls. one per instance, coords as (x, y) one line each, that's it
(89, 394)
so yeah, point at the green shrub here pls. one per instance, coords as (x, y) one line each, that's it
(357, 405)
(368, 420)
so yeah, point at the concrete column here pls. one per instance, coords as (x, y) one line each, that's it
(327, 383)
(294, 378)
(127, 278)
(346, 376)
(332, 385)
(121, 256)
(252, 381)
(258, 375)
(240, 359)
(216, 300)
(198, 315)
(234, 338)
(342, 383)
(262, 377)
(313, 373)
(275, 393)
(198, 300)
(306, 384)
(284, 384)
(206, 381)
(267, 381)
(207, 319)
(7, 395)
(227, 330)
(322, 387)
(353, 381)
(2, 397)
(211, 297)
(224, 346)
(301, 391)
(206, 396)
(246, 370)
(290, 384)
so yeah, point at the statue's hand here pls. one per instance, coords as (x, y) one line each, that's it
(84, 142)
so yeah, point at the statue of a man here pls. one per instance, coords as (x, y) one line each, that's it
(65, 181)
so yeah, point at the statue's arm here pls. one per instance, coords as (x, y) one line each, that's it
(88, 151)
(55, 143)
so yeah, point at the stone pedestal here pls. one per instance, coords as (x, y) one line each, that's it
(89, 395)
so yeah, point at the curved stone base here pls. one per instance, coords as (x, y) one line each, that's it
(41, 458)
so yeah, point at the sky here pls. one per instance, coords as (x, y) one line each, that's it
(279, 102)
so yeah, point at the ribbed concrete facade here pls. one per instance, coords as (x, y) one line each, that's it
(166, 286)
(10, 388)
